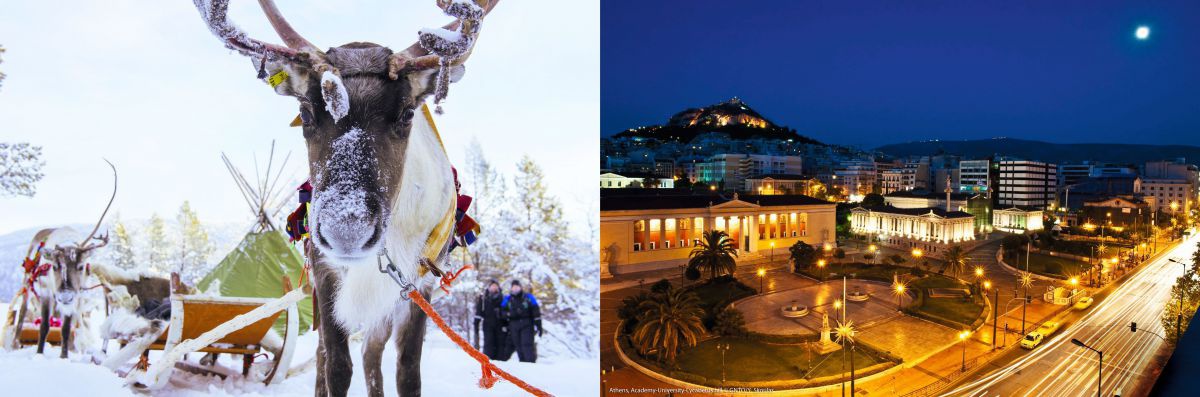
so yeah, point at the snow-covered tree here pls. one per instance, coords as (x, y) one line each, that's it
(158, 247)
(20, 169)
(2, 75)
(194, 247)
(121, 251)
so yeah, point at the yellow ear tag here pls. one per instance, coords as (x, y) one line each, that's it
(278, 78)
(296, 122)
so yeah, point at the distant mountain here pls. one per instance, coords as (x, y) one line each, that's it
(1045, 151)
(732, 117)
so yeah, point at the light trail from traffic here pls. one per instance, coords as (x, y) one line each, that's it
(1059, 368)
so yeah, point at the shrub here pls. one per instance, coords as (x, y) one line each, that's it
(661, 286)
(729, 322)
(691, 273)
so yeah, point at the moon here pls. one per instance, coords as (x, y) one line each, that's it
(1142, 33)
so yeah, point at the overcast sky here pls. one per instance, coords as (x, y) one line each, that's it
(144, 84)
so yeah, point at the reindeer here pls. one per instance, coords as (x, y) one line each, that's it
(383, 190)
(70, 269)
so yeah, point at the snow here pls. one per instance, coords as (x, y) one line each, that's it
(446, 371)
(340, 206)
(448, 35)
(337, 101)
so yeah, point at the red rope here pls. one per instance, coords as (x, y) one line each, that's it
(489, 370)
(448, 277)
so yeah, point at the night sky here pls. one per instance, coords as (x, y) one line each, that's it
(868, 74)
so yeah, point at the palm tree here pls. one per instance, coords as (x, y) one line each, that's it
(669, 321)
(715, 254)
(956, 260)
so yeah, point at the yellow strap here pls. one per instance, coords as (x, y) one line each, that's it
(432, 125)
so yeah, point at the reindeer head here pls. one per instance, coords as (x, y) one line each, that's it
(70, 267)
(357, 105)
(70, 262)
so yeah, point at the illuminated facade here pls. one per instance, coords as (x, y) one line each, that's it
(928, 229)
(1017, 220)
(644, 232)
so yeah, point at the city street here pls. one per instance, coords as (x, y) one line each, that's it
(1060, 368)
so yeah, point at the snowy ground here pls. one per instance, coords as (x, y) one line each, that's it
(446, 371)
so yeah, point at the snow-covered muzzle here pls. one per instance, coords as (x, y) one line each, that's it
(348, 216)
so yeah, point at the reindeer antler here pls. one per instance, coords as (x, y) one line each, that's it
(110, 201)
(103, 239)
(214, 13)
(448, 46)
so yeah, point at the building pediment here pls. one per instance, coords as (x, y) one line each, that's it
(735, 203)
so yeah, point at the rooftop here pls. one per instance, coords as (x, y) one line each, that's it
(887, 209)
(650, 199)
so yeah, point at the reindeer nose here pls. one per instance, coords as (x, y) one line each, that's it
(344, 241)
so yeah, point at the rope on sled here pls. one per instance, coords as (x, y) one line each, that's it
(490, 371)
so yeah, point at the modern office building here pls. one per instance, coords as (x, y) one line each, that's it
(1028, 184)
(729, 171)
(973, 176)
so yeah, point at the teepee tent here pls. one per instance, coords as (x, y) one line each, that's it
(256, 268)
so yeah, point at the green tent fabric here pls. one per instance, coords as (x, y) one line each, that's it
(255, 269)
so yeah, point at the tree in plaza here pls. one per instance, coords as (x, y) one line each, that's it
(729, 322)
(20, 169)
(158, 247)
(650, 182)
(715, 254)
(803, 256)
(194, 247)
(873, 200)
(121, 249)
(667, 322)
(956, 260)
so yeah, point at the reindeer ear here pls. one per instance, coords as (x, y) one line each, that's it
(424, 82)
(285, 78)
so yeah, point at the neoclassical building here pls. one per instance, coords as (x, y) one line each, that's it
(651, 229)
(1017, 219)
(929, 229)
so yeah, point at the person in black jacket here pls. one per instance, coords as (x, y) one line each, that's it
(524, 319)
(487, 312)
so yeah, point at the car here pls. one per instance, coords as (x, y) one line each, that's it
(1083, 303)
(1048, 328)
(1032, 340)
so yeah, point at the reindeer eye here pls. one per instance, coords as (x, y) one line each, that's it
(407, 115)
(306, 115)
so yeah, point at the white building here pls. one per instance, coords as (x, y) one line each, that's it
(610, 180)
(1169, 194)
(780, 184)
(1017, 220)
(929, 229)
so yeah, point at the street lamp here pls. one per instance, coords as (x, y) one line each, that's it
(1074, 281)
(603, 383)
(1026, 281)
(899, 292)
(987, 286)
(962, 337)
(1179, 315)
(821, 265)
(723, 347)
(761, 272)
(1101, 376)
(772, 252)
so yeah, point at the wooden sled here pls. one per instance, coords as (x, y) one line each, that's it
(213, 324)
